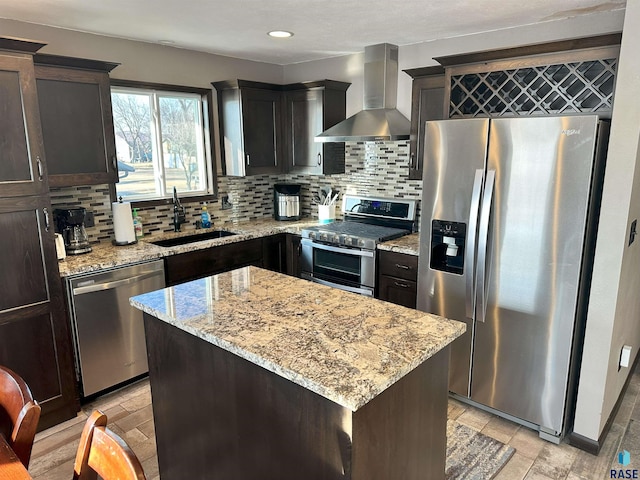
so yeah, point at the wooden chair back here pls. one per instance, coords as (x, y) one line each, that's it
(102, 452)
(19, 414)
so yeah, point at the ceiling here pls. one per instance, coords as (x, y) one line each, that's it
(322, 28)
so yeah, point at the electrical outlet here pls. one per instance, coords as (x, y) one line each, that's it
(89, 220)
(226, 204)
(625, 357)
(632, 232)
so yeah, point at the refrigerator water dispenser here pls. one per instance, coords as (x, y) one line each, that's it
(447, 246)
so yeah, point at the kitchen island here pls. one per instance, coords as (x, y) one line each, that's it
(258, 375)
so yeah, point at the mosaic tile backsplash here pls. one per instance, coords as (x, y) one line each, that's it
(372, 168)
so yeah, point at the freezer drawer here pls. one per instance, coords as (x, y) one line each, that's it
(109, 334)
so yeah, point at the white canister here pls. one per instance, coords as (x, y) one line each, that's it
(123, 223)
(327, 213)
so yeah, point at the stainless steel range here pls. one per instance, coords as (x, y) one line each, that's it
(343, 254)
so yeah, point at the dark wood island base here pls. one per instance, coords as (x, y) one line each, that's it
(219, 416)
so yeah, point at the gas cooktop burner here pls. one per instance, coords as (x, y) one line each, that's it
(368, 221)
(353, 234)
(363, 230)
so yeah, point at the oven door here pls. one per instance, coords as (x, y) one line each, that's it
(346, 268)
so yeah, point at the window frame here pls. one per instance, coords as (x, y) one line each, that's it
(206, 96)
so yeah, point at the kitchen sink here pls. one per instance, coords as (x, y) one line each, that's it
(172, 242)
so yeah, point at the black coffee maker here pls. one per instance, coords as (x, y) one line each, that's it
(286, 201)
(70, 224)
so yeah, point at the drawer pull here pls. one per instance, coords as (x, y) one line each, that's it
(400, 284)
(403, 267)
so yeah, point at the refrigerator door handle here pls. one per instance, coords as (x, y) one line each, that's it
(483, 241)
(470, 251)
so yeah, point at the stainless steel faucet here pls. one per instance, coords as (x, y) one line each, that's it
(179, 216)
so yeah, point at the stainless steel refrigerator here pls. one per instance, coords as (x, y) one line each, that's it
(507, 232)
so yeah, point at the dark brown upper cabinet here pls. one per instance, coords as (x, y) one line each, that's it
(250, 116)
(427, 103)
(77, 121)
(311, 108)
(269, 129)
(22, 160)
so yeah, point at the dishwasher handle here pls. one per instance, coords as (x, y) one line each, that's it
(96, 287)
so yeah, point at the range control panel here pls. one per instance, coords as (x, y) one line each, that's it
(396, 208)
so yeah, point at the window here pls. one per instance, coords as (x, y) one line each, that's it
(162, 142)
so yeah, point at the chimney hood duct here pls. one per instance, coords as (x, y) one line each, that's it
(379, 120)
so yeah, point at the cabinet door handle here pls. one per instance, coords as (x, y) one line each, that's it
(412, 164)
(40, 172)
(400, 284)
(319, 159)
(248, 160)
(114, 163)
(403, 267)
(47, 224)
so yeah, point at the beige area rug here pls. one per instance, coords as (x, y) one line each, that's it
(472, 455)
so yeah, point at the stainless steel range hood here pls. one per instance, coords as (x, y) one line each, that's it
(379, 120)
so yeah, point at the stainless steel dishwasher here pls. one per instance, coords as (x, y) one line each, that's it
(109, 339)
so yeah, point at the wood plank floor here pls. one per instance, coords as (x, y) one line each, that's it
(129, 413)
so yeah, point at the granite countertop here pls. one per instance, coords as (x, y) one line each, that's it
(346, 347)
(409, 245)
(106, 255)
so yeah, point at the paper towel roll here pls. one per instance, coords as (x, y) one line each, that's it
(123, 223)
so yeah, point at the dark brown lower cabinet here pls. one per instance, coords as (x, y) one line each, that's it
(397, 278)
(274, 253)
(293, 254)
(218, 415)
(398, 291)
(35, 340)
(201, 263)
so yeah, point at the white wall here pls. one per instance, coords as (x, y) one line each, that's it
(144, 61)
(614, 310)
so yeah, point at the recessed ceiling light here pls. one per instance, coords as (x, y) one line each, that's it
(280, 34)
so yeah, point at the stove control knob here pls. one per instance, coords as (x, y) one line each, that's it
(312, 235)
(323, 236)
(361, 243)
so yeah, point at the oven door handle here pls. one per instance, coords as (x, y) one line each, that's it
(343, 250)
(362, 291)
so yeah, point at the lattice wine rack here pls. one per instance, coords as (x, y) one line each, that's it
(579, 87)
